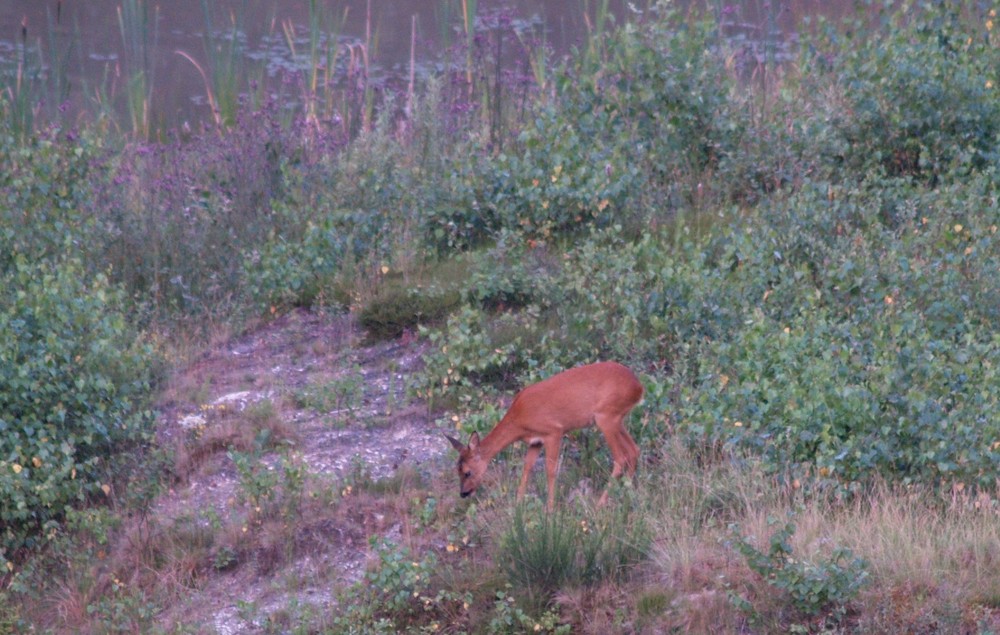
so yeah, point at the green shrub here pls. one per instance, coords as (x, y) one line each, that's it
(508, 617)
(920, 93)
(73, 381)
(509, 275)
(286, 272)
(657, 93)
(471, 351)
(46, 185)
(399, 593)
(824, 587)
(850, 360)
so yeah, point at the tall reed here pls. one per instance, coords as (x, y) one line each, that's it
(139, 36)
(225, 57)
(16, 106)
(61, 50)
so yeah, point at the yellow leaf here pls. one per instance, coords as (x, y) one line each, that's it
(37, 462)
(17, 468)
(385, 269)
(106, 489)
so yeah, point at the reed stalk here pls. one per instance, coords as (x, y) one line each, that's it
(369, 92)
(594, 50)
(413, 66)
(139, 37)
(60, 51)
(469, 27)
(18, 110)
(324, 52)
(226, 70)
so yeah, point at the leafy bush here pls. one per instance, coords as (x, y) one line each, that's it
(296, 272)
(468, 351)
(818, 588)
(73, 381)
(860, 363)
(399, 591)
(45, 187)
(920, 93)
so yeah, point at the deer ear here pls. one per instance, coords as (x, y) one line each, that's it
(474, 441)
(455, 443)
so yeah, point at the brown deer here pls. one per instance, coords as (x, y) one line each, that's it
(600, 394)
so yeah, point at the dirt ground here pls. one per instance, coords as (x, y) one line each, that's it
(340, 406)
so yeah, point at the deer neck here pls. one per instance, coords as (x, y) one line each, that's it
(504, 434)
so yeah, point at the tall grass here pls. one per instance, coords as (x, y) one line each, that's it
(925, 550)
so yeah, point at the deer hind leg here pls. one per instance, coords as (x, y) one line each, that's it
(624, 451)
(631, 450)
(529, 462)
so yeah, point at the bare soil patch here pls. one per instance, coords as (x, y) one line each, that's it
(337, 405)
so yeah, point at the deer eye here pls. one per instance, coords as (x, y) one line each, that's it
(467, 474)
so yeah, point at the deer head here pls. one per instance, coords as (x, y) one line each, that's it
(471, 464)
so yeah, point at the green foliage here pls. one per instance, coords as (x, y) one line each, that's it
(822, 588)
(45, 186)
(297, 272)
(508, 275)
(122, 610)
(74, 378)
(920, 93)
(854, 361)
(471, 349)
(269, 491)
(399, 594)
(508, 617)
(659, 94)
(629, 128)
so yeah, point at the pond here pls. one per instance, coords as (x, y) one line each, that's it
(81, 53)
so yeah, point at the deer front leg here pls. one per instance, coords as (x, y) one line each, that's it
(552, 447)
